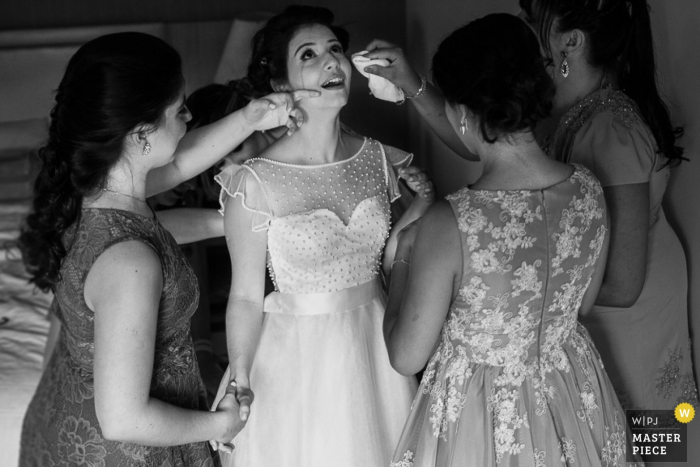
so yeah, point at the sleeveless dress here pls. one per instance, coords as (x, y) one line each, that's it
(61, 427)
(646, 347)
(515, 379)
(325, 392)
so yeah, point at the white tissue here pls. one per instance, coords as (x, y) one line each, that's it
(381, 87)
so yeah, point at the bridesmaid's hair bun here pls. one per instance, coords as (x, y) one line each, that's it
(270, 44)
(494, 67)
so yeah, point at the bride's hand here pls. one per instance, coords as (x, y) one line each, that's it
(418, 181)
(236, 405)
(399, 71)
(276, 110)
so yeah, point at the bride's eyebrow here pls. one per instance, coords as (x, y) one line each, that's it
(303, 45)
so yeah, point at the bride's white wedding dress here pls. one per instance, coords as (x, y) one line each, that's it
(325, 392)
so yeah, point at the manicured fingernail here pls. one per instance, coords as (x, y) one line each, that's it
(273, 106)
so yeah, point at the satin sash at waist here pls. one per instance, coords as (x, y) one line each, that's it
(323, 303)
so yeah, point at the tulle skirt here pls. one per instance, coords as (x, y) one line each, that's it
(462, 417)
(325, 392)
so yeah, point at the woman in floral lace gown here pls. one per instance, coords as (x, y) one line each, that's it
(315, 209)
(122, 387)
(612, 120)
(487, 287)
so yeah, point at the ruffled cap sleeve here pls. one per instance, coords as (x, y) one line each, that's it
(394, 159)
(242, 181)
(617, 152)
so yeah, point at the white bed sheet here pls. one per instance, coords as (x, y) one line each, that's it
(24, 328)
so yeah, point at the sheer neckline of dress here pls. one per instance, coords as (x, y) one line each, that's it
(314, 166)
(549, 187)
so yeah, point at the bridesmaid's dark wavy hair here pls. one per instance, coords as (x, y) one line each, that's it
(494, 67)
(271, 43)
(111, 85)
(619, 39)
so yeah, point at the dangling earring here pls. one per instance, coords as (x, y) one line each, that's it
(464, 125)
(564, 66)
(146, 148)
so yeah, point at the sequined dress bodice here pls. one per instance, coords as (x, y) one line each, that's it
(326, 224)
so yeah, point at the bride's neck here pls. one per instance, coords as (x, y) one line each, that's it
(319, 138)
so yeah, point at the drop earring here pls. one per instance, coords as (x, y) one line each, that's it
(146, 148)
(464, 125)
(564, 66)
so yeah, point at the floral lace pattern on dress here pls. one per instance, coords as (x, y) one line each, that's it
(512, 336)
(61, 426)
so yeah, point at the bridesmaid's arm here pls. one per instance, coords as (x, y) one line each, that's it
(419, 182)
(189, 225)
(430, 105)
(124, 289)
(203, 147)
(420, 293)
(625, 272)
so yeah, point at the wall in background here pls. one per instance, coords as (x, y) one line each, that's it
(364, 19)
(427, 24)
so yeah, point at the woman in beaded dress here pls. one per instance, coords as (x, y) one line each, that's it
(487, 287)
(315, 209)
(122, 386)
(612, 120)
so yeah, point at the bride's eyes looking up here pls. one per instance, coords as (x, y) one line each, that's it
(310, 52)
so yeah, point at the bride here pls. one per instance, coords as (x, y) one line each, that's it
(315, 209)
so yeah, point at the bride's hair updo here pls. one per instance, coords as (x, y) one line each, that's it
(493, 66)
(111, 85)
(271, 43)
(619, 38)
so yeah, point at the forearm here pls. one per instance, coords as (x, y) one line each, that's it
(189, 225)
(415, 211)
(431, 107)
(157, 423)
(618, 294)
(243, 326)
(198, 150)
(398, 280)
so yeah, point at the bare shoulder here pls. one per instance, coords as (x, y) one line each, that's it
(128, 266)
(439, 226)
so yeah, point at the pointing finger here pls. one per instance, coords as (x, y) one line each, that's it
(303, 94)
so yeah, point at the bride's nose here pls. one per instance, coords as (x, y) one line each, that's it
(331, 62)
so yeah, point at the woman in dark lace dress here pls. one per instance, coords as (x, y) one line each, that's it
(122, 386)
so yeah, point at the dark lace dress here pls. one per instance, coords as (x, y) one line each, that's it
(61, 427)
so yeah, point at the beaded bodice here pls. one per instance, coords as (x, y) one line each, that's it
(326, 224)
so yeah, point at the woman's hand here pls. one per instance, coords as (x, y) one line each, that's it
(276, 110)
(235, 405)
(418, 181)
(399, 71)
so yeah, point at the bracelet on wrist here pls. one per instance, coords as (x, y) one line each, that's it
(421, 89)
(403, 97)
(402, 261)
